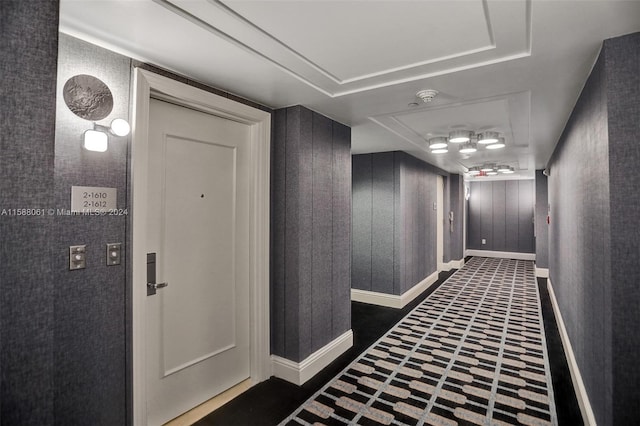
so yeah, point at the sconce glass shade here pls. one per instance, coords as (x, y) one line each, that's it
(497, 145)
(459, 136)
(95, 140)
(488, 137)
(439, 151)
(468, 148)
(120, 127)
(437, 143)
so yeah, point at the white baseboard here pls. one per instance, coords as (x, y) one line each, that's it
(542, 272)
(453, 264)
(576, 377)
(501, 254)
(393, 300)
(300, 372)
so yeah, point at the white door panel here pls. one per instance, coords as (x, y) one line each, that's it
(198, 224)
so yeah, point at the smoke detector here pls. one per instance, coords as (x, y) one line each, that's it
(427, 95)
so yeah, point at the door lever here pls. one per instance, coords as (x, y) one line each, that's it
(156, 286)
(152, 286)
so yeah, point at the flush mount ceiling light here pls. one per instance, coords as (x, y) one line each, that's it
(468, 148)
(490, 170)
(475, 170)
(460, 136)
(497, 145)
(488, 137)
(469, 139)
(438, 143)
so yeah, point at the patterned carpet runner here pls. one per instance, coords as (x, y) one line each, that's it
(473, 352)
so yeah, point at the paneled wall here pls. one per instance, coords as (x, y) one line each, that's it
(501, 213)
(311, 232)
(594, 246)
(394, 223)
(580, 254)
(623, 107)
(90, 304)
(29, 33)
(454, 236)
(541, 226)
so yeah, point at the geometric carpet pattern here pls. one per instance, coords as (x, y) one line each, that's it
(472, 353)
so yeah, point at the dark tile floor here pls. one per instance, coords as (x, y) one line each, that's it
(272, 401)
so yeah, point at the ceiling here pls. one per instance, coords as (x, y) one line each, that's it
(516, 67)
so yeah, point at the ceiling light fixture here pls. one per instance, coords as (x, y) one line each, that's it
(474, 171)
(438, 143)
(460, 136)
(490, 170)
(468, 148)
(488, 137)
(469, 139)
(497, 145)
(439, 151)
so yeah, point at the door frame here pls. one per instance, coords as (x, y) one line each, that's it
(145, 85)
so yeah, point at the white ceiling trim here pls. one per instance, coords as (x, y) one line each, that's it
(337, 80)
(243, 33)
(234, 41)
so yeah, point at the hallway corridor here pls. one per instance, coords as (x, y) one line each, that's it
(471, 349)
(473, 352)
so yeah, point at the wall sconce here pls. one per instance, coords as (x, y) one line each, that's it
(97, 139)
(89, 98)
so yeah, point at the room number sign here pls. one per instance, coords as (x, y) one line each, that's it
(93, 199)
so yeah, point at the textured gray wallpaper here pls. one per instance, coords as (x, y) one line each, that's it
(394, 224)
(501, 212)
(311, 232)
(456, 205)
(622, 58)
(29, 34)
(541, 226)
(594, 246)
(90, 304)
(579, 242)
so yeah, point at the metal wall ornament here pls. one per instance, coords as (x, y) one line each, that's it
(88, 97)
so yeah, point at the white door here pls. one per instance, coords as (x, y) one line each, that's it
(197, 328)
(440, 221)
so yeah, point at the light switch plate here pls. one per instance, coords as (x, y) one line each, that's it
(114, 254)
(77, 257)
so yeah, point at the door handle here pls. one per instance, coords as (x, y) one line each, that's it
(156, 286)
(152, 286)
